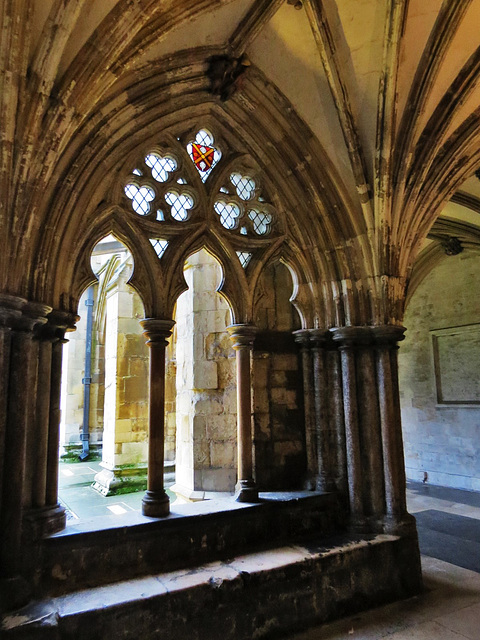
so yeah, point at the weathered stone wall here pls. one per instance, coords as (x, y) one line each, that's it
(279, 431)
(205, 384)
(442, 430)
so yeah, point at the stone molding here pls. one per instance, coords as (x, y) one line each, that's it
(242, 335)
(362, 336)
(19, 314)
(157, 330)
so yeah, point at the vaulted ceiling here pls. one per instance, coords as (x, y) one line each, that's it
(389, 88)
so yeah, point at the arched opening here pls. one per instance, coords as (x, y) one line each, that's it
(104, 400)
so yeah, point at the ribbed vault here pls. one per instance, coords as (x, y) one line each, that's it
(363, 122)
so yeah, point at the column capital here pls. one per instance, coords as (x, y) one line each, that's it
(242, 335)
(361, 336)
(388, 334)
(302, 337)
(353, 336)
(157, 330)
(58, 323)
(10, 309)
(21, 315)
(319, 337)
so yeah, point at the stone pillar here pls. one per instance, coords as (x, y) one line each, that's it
(336, 418)
(10, 312)
(302, 337)
(397, 519)
(243, 336)
(19, 398)
(155, 502)
(348, 339)
(318, 338)
(43, 514)
(376, 477)
(206, 420)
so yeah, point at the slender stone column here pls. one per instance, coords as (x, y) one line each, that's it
(51, 488)
(346, 338)
(9, 314)
(336, 418)
(40, 442)
(21, 384)
(386, 338)
(302, 337)
(242, 336)
(45, 515)
(318, 338)
(155, 502)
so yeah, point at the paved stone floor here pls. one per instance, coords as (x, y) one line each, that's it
(448, 522)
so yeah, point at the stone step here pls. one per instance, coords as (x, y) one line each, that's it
(255, 595)
(132, 545)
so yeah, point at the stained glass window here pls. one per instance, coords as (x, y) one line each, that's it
(159, 245)
(203, 153)
(160, 166)
(244, 186)
(244, 258)
(180, 204)
(228, 212)
(261, 221)
(140, 197)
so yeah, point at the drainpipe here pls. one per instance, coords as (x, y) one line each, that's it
(85, 437)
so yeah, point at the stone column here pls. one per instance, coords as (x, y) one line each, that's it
(302, 337)
(376, 472)
(21, 383)
(10, 312)
(243, 336)
(397, 520)
(319, 338)
(45, 515)
(155, 502)
(346, 338)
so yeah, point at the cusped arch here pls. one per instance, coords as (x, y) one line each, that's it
(74, 272)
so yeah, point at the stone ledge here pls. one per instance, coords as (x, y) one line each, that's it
(257, 595)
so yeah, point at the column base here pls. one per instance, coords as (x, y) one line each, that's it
(404, 525)
(246, 491)
(156, 504)
(120, 479)
(44, 521)
(184, 494)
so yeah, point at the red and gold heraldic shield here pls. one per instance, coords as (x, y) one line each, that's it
(202, 156)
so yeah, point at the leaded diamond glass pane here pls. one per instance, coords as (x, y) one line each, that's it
(244, 185)
(160, 246)
(180, 205)
(160, 166)
(261, 221)
(140, 197)
(137, 172)
(228, 212)
(244, 258)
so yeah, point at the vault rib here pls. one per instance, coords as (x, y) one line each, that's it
(251, 25)
(326, 41)
(443, 32)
